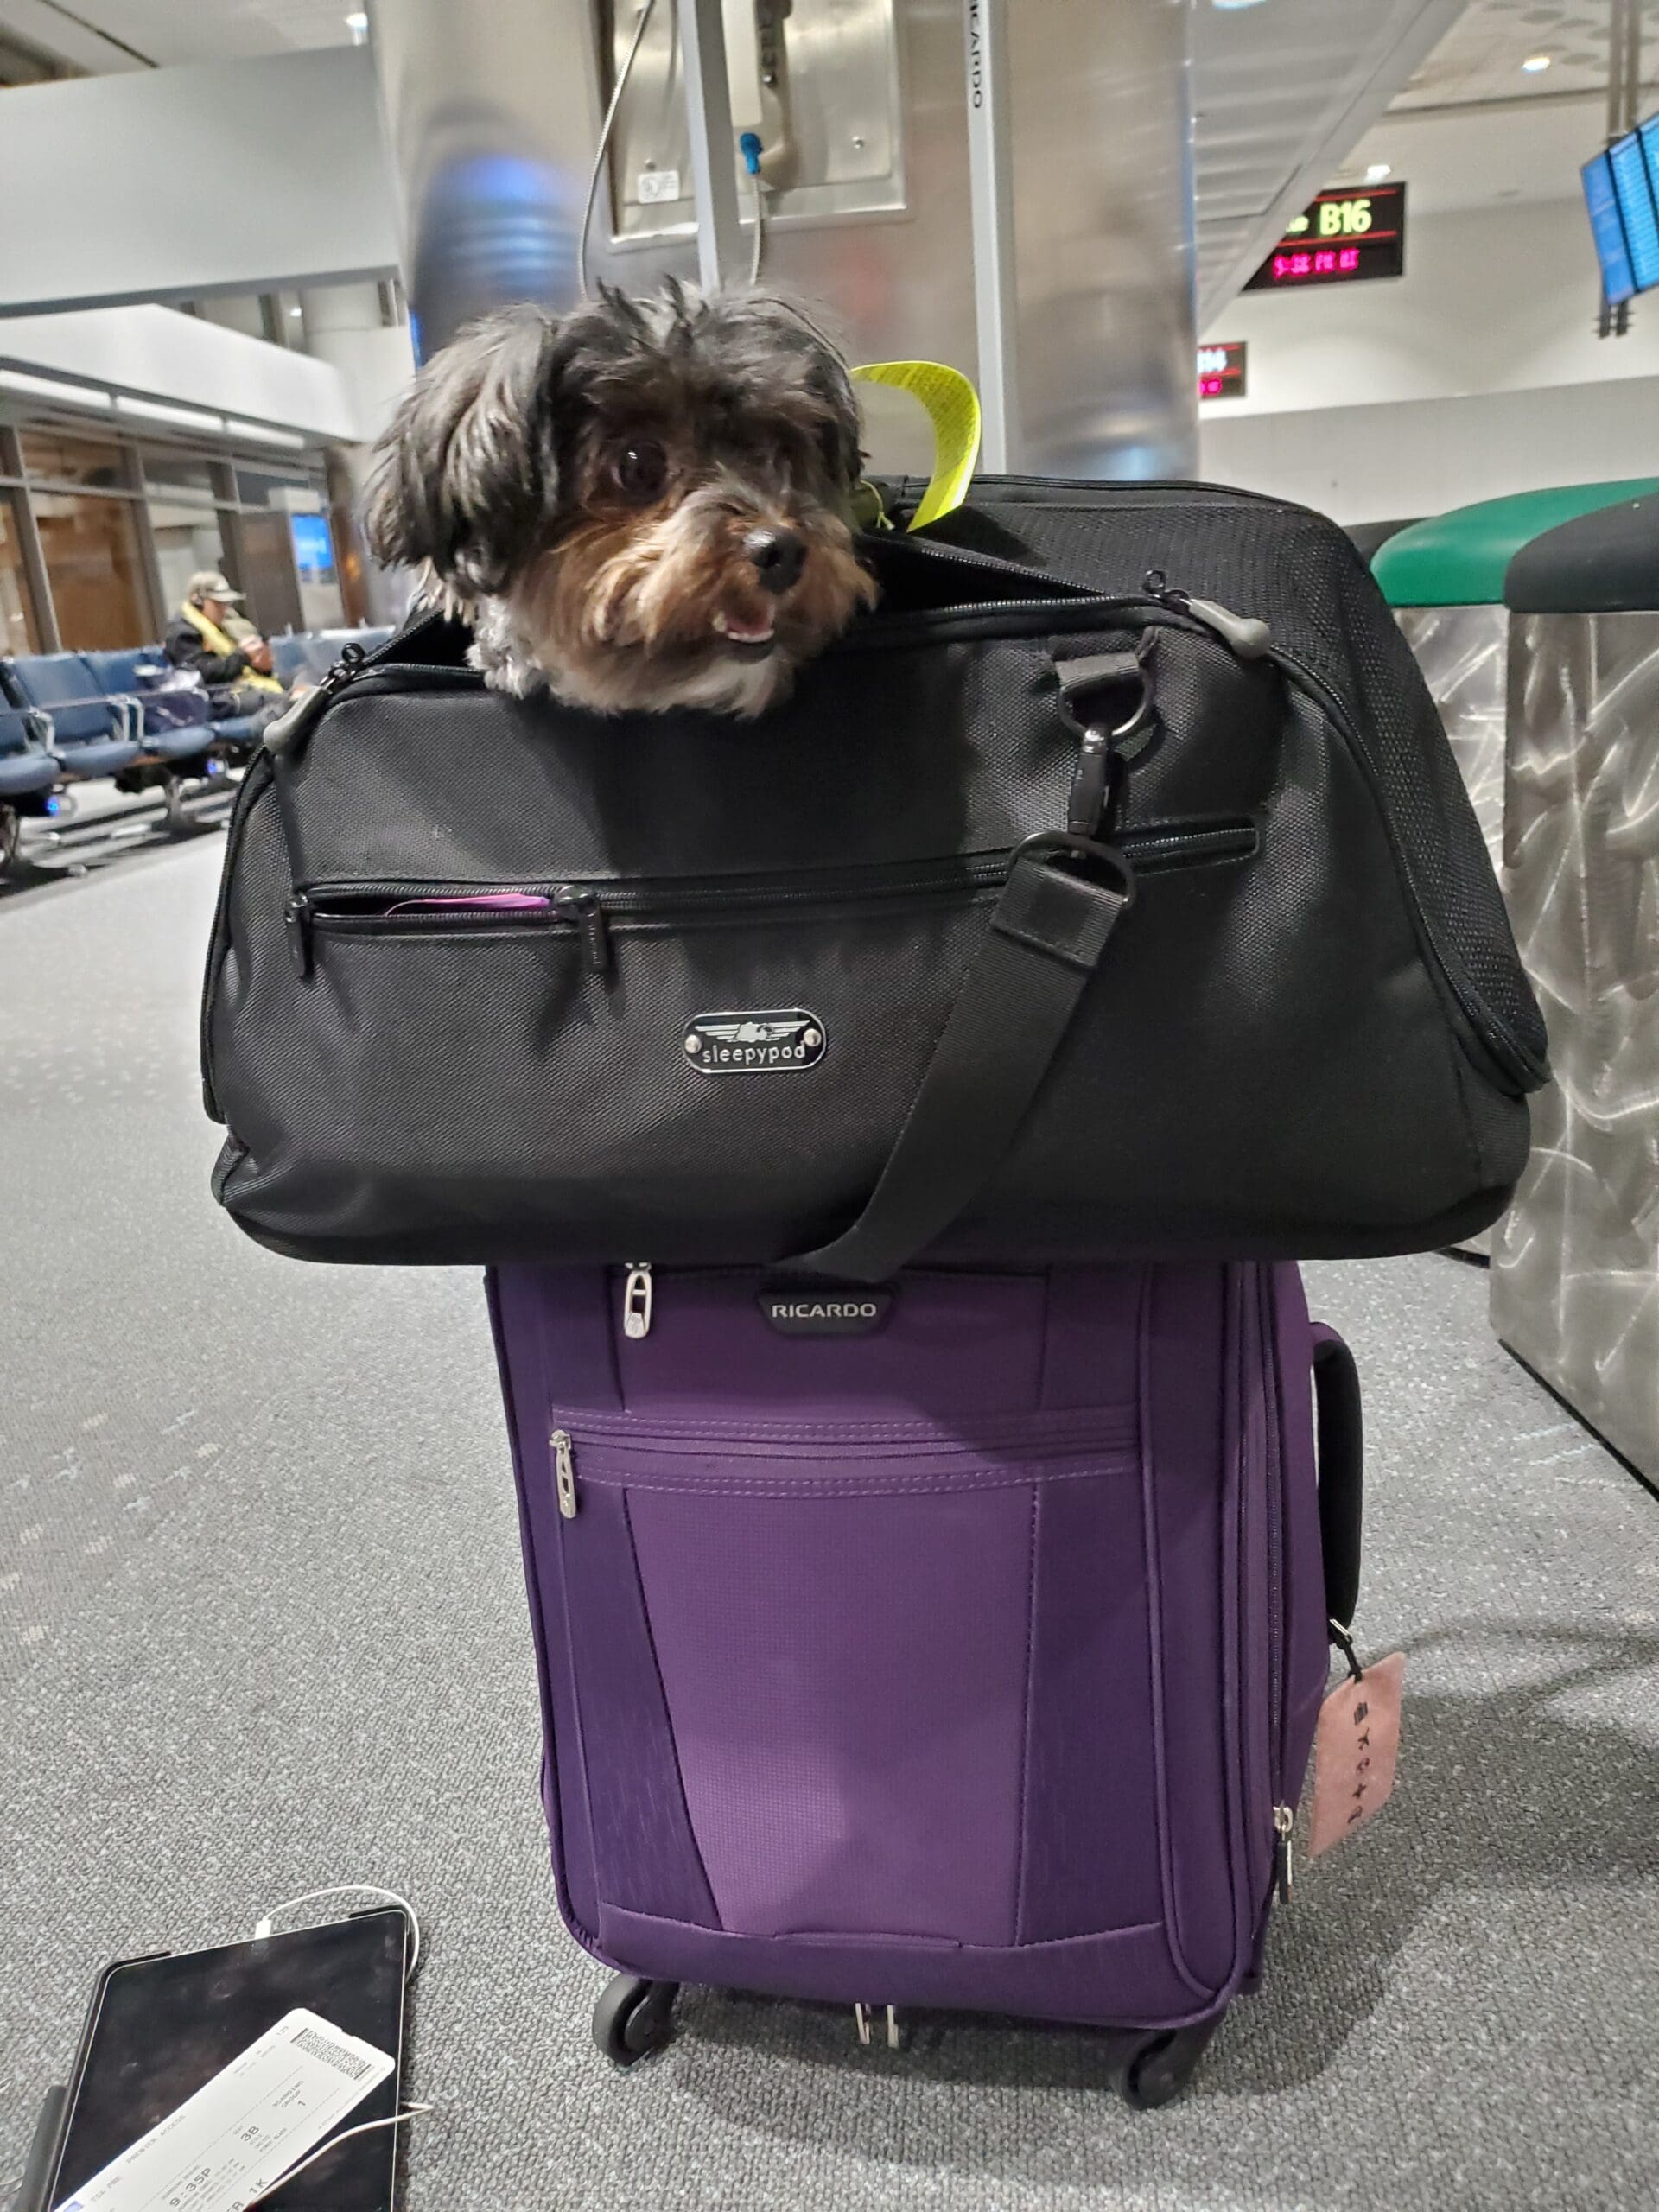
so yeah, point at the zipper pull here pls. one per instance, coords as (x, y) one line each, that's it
(1284, 1819)
(564, 1471)
(583, 909)
(296, 919)
(1243, 634)
(636, 1300)
(289, 730)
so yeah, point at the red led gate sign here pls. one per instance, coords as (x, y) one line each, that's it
(1342, 238)
(1222, 371)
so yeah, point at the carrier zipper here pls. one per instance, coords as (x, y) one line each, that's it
(636, 1300)
(297, 922)
(292, 728)
(590, 905)
(582, 909)
(1246, 636)
(564, 1471)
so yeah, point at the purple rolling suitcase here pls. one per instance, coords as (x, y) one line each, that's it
(970, 1661)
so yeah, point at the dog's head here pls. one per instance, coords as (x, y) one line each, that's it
(646, 503)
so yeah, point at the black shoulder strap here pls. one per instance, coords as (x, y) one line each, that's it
(1048, 933)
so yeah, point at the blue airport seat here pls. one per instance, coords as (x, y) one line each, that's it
(175, 725)
(288, 656)
(27, 769)
(89, 735)
(239, 729)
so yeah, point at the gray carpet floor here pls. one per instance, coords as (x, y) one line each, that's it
(262, 1629)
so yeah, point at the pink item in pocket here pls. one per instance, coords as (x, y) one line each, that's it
(504, 902)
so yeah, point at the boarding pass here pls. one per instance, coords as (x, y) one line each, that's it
(241, 2131)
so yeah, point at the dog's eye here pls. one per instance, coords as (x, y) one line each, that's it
(640, 470)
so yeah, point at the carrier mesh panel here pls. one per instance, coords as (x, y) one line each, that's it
(1297, 572)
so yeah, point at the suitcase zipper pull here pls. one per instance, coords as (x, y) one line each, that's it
(564, 1471)
(636, 1300)
(1284, 1819)
(1243, 634)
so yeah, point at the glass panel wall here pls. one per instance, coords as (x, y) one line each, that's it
(62, 457)
(187, 538)
(19, 630)
(124, 523)
(95, 567)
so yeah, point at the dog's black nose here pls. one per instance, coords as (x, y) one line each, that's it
(779, 556)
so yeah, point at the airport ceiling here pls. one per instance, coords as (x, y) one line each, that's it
(1287, 92)
(1484, 55)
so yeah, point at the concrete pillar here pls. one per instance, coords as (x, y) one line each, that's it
(346, 325)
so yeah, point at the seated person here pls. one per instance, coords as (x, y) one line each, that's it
(234, 663)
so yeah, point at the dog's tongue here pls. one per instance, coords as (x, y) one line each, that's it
(743, 631)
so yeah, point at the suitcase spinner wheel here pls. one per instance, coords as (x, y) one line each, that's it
(1155, 2070)
(633, 2018)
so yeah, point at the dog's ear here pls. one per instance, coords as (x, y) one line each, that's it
(842, 431)
(465, 471)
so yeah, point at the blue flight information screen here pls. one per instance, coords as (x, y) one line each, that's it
(1630, 181)
(1607, 226)
(313, 549)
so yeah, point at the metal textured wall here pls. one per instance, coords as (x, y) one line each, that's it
(1575, 1262)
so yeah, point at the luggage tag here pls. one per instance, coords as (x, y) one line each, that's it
(1355, 1747)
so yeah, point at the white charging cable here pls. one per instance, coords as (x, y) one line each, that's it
(351, 1890)
(604, 145)
(365, 2127)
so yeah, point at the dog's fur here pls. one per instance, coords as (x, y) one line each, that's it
(616, 499)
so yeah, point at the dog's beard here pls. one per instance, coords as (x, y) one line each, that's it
(651, 612)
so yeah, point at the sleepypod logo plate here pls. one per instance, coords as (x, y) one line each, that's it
(766, 1042)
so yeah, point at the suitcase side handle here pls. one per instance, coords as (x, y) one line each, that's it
(1341, 1438)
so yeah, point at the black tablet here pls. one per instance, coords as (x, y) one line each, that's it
(160, 2028)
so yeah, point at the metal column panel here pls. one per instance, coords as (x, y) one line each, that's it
(1575, 1262)
(492, 112)
(1464, 654)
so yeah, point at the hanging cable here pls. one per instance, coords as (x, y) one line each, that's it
(749, 146)
(604, 146)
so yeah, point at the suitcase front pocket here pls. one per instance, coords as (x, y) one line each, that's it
(865, 1683)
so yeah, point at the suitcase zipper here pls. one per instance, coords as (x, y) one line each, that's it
(1284, 1819)
(564, 1471)
(636, 1300)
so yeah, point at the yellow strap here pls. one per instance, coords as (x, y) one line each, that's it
(217, 641)
(952, 407)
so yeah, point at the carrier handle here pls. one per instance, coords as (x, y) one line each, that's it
(1063, 897)
(1341, 1433)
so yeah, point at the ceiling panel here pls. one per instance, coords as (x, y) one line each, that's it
(1480, 57)
(1281, 94)
(107, 35)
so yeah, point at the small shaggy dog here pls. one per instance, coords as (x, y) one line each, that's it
(642, 504)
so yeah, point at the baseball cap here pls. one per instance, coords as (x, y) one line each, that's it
(211, 583)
